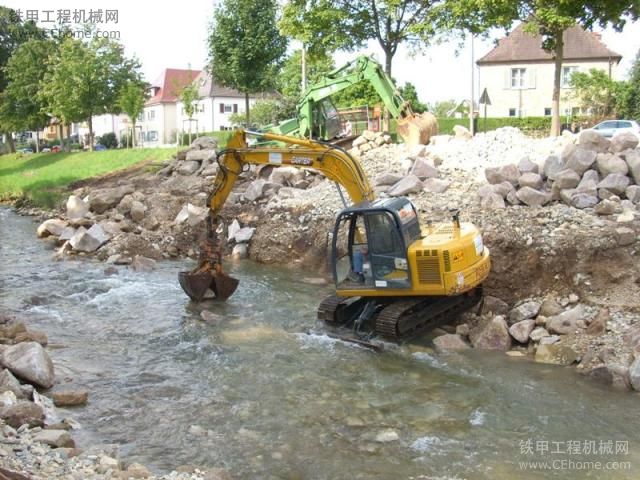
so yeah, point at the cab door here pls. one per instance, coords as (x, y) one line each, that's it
(387, 251)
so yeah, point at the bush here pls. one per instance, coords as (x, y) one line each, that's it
(109, 140)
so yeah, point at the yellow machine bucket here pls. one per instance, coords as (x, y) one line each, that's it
(417, 128)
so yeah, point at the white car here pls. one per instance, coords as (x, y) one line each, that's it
(610, 128)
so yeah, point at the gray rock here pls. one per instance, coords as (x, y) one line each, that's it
(102, 200)
(484, 190)
(532, 197)
(625, 236)
(388, 179)
(423, 169)
(590, 176)
(530, 179)
(524, 311)
(76, 207)
(583, 200)
(608, 163)
(512, 198)
(495, 305)
(615, 183)
(510, 173)
(23, 413)
(592, 140)
(285, 175)
(409, 184)
(55, 438)
(137, 211)
(204, 143)
(633, 193)
(188, 167)
(234, 228)
(538, 333)
(521, 330)
(30, 362)
(567, 178)
(550, 308)
(240, 251)
(191, 214)
(67, 234)
(451, 342)
(552, 165)
(9, 383)
(581, 160)
(503, 188)
(198, 156)
(555, 354)
(70, 397)
(142, 264)
(492, 201)
(210, 170)
(566, 322)
(491, 334)
(623, 141)
(435, 185)
(604, 194)
(244, 235)
(633, 160)
(493, 175)
(462, 132)
(634, 374)
(53, 226)
(255, 190)
(606, 207)
(89, 240)
(527, 166)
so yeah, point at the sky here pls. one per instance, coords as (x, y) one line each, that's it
(174, 35)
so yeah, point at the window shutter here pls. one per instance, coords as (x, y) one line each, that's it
(531, 80)
(222, 108)
(507, 78)
(235, 108)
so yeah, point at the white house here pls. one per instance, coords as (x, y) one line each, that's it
(215, 107)
(518, 74)
(158, 122)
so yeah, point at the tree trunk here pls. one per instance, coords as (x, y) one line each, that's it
(67, 147)
(133, 135)
(246, 106)
(555, 100)
(90, 122)
(37, 142)
(10, 142)
(386, 119)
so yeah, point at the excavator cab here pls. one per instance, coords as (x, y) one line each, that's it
(370, 244)
(326, 120)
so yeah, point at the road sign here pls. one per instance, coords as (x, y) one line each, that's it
(484, 98)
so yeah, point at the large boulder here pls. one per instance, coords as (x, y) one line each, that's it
(387, 179)
(521, 330)
(532, 197)
(567, 178)
(608, 163)
(615, 183)
(592, 140)
(55, 438)
(566, 322)
(9, 383)
(200, 155)
(285, 175)
(552, 165)
(137, 211)
(580, 160)
(142, 264)
(244, 234)
(633, 193)
(530, 179)
(556, 354)
(30, 362)
(623, 141)
(451, 342)
(524, 311)
(53, 226)
(102, 200)
(89, 240)
(23, 413)
(204, 143)
(409, 184)
(633, 160)
(423, 168)
(492, 201)
(436, 185)
(191, 214)
(583, 200)
(70, 397)
(188, 167)
(525, 165)
(491, 334)
(76, 207)
(255, 190)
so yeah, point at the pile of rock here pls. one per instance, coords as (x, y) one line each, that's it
(369, 140)
(593, 173)
(198, 159)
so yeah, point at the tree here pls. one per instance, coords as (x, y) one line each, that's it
(329, 25)
(290, 77)
(409, 93)
(630, 107)
(548, 18)
(443, 107)
(87, 79)
(263, 112)
(13, 33)
(598, 93)
(21, 107)
(246, 49)
(189, 98)
(131, 102)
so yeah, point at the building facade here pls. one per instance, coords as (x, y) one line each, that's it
(518, 74)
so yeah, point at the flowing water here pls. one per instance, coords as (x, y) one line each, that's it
(260, 396)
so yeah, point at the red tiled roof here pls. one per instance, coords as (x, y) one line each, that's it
(170, 83)
(521, 46)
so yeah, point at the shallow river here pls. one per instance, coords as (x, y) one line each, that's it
(262, 397)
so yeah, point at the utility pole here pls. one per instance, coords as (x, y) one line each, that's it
(471, 103)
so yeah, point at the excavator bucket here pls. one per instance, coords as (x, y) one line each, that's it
(417, 129)
(195, 285)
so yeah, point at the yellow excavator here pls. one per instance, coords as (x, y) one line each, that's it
(393, 279)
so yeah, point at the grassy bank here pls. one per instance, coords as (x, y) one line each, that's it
(43, 177)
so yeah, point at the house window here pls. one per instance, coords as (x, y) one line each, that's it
(141, 117)
(518, 77)
(565, 80)
(200, 108)
(152, 136)
(513, 112)
(228, 108)
(547, 112)
(151, 114)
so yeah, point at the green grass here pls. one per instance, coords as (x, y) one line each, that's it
(42, 178)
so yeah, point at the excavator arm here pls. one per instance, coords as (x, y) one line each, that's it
(330, 160)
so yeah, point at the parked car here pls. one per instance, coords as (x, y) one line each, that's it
(25, 150)
(99, 148)
(56, 148)
(610, 128)
(45, 150)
